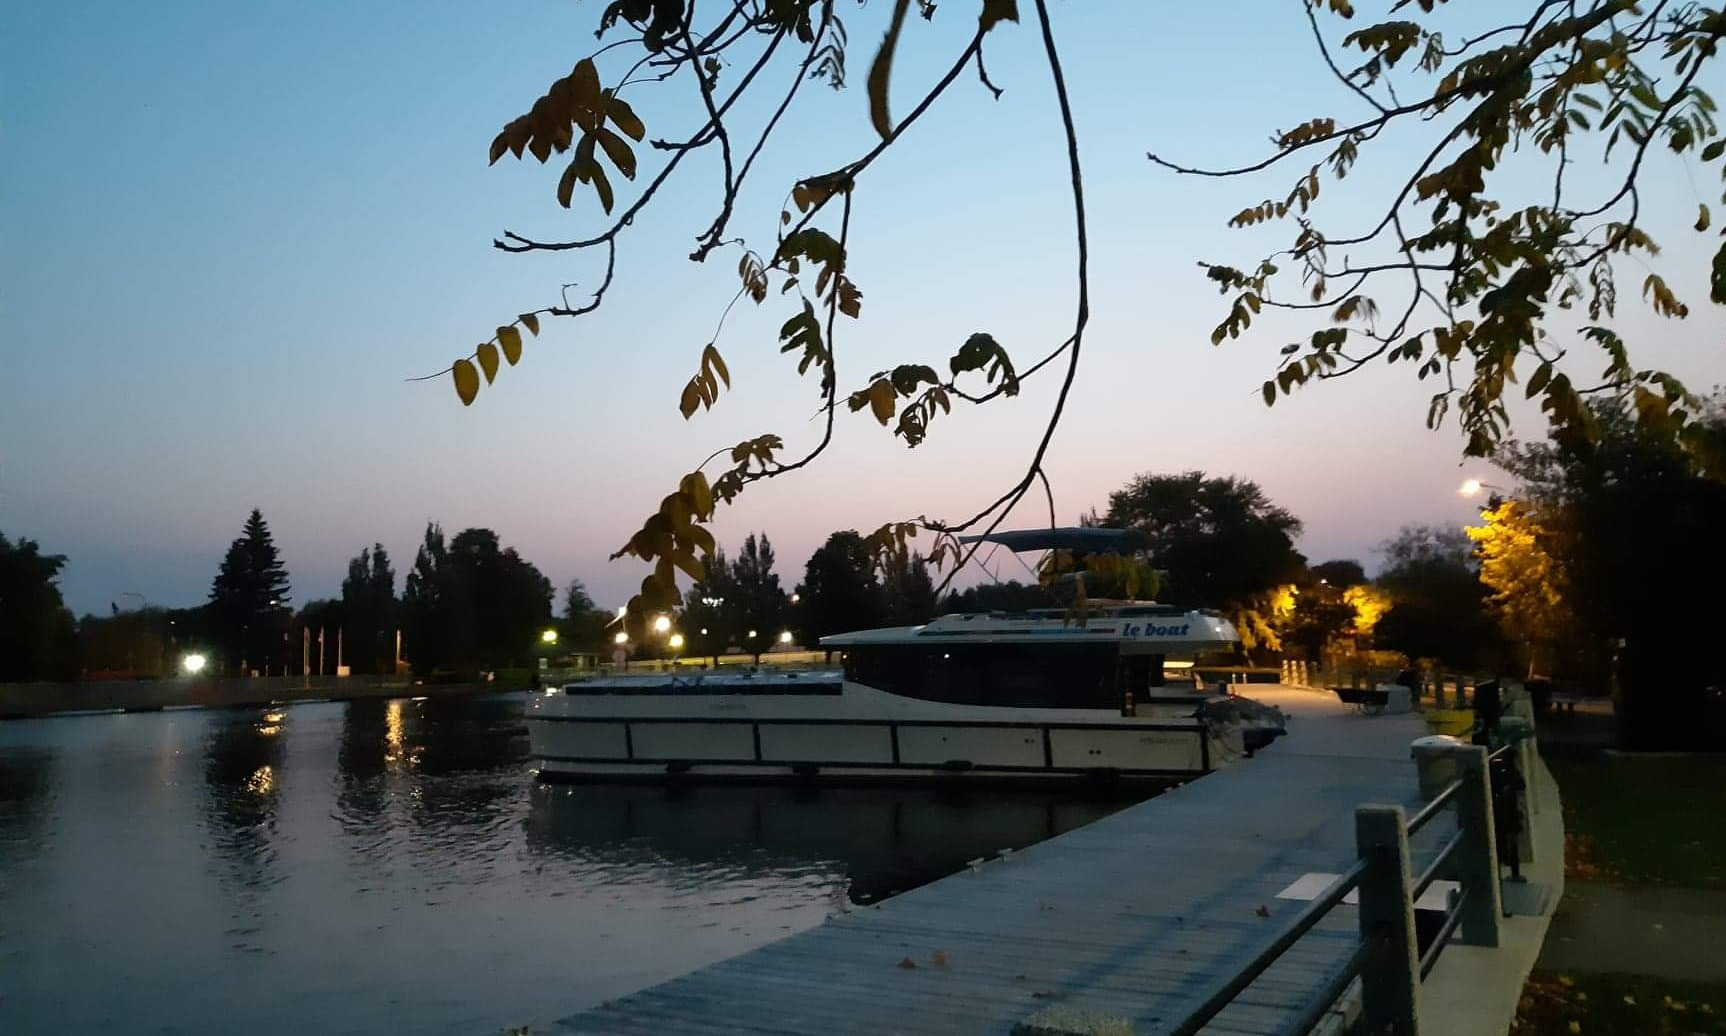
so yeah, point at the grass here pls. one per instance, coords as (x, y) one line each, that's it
(1644, 819)
(1618, 1005)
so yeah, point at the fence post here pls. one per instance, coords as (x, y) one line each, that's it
(1390, 974)
(1477, 856)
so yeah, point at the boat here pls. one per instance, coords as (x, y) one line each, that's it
(1049, 695)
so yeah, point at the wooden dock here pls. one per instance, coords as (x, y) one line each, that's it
(1121, 926)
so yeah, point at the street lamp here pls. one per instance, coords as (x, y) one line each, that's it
(785, 637)
(676, 642)
(1473, 486)
(548, 637)
(662, 624)
(621, 638)
(751, 634)
(193, 664)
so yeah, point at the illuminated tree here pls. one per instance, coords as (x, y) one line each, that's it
(1527, 582)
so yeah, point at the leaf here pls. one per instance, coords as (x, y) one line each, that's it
(601, 184)
(700, 493)
(997, 11)
(619, 152)
(1702, 218)
(510, 339)
(499, 145)
(691, 399)
(566, 185)
(1269, 392)
(466, 381)
(584, 85)
(488, 361)
(881, 72)
(620, 113)
(882, 400)
(710, 357)
(690, 564)
(531, 322)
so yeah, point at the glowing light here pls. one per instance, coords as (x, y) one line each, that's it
(1471, 487)
(785, 637)
(751, 634)
(548, 637)
(676, 642)
(194, 664)
(704, 631)
(262, 781)
(796, 597)
(621, 638)
(662, 624)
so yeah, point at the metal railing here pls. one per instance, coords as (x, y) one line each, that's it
(1387, 960)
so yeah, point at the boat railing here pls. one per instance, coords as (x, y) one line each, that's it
(1387, 960)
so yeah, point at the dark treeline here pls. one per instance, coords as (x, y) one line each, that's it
(1584, 574)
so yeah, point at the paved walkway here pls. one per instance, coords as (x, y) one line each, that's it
(1131, 920)
(1675, 933)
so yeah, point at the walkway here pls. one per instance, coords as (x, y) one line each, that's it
(1131, 920)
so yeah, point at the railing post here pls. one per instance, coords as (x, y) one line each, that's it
(1390, 973)
(1477, 855)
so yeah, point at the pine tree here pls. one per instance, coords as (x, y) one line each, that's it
(249, 599)
(369, 604)
(756, 604)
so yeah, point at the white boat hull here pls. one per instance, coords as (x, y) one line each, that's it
(838, 730)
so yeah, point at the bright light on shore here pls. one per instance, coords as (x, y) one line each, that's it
(676, 642)
(785, 637)
(193, 664)
(662, 624)
(621, 638)
(548, 637)
(1471, 487)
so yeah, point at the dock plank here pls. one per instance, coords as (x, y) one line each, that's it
(1138, 916)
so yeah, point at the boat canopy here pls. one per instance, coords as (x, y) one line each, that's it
(1082, 539)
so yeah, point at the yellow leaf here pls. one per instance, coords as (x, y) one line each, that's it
(510, 339)
(881, 72)
(530, 321)
(691, 565)
(625, 118)
(597, 174)
(881, 400)
(466, 381)
(691, 399)
(710, 356)
(1702, 220)
(584, 78)
(488, 361)
(619, 152)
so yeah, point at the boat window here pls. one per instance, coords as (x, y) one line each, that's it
(1055, 676)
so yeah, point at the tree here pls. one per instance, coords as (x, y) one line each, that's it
(369, 610)
(1223, 544)
(248, 604)
(707, 621)
(1341, 574)
(1476, 261)
(1528, 583)
(582, 627)
(840, 592)
(437, 617)
(1631, 521)
(1011, 596)
(40, 636)
(756, 605)
(1438, 605)
(908, 590)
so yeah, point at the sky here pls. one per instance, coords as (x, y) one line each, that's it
(230, 232)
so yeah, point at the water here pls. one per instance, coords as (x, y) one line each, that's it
(393, 866)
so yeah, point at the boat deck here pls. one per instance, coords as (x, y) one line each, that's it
(1134, 918)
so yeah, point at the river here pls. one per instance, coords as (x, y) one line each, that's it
(393, 866)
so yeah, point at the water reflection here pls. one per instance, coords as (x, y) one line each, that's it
(883, 840)
(243, 755)
(26, 794)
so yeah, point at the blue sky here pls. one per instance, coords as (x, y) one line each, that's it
(229, 232)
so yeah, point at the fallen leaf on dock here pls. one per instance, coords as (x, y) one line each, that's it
(908, 964)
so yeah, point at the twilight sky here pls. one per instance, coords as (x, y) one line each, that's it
(229, 231)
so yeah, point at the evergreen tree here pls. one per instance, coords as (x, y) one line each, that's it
(908, 590)
(369, 610)
(756, 603)
(706, 621)
(248, 604)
